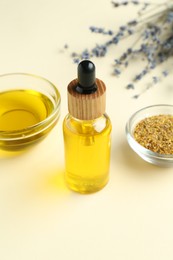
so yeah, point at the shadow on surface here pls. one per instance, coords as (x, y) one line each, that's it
(53, 181)
(6, 154)
(133, 163)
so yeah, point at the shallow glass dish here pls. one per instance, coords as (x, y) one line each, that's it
(147, 155)
(29, 109)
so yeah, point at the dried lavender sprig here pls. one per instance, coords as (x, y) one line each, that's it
(152, 33)
(155, 80)
(134, 2)
(101, 50)
(118, 4)
(123, 32)
(157, 16)
(151, 7)
(100, 30)
(156, 47)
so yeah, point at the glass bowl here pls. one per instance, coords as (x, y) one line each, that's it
(29, 109)
(146, 154)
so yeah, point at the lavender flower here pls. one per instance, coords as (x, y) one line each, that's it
(130, 86)
(165, 73)
(153, 29)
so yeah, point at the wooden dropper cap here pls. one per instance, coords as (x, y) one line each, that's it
(86, 94)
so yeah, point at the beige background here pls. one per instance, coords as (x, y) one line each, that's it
(40, 219)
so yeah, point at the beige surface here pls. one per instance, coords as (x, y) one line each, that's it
(40, 219)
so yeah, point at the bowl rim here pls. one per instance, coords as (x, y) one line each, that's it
(141, 148)
(17, 133)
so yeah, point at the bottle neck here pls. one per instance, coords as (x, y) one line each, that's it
(87, 120)
(93, 126)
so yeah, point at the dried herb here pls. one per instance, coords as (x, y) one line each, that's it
(154, 41)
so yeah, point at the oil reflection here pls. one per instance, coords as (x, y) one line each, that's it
(54, 182)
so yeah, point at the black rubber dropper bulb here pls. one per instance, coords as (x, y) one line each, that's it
(86, 77)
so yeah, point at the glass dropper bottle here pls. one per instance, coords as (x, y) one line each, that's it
(87, 132)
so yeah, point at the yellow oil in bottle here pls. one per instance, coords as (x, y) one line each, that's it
(20, 109)
(87, 153)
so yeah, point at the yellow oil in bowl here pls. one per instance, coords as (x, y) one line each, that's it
(26, 114)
